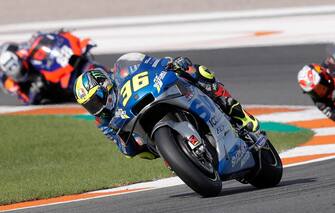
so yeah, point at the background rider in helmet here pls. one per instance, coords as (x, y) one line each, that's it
(18, 73)
(317, 81)
(14, 78)
(96, 91)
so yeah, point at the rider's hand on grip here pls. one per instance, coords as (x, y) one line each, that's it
(182, 63)
(327, 110)
(329, 62)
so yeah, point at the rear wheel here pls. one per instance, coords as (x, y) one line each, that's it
(271, 170)
(200, 175)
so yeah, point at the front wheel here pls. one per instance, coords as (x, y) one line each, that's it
(167, 142)
(271, 170)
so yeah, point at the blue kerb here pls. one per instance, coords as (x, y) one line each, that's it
(84, 117)
(279, 127)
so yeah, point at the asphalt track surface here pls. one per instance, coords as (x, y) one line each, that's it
(304, 189)
(262, 75)
(259, 75)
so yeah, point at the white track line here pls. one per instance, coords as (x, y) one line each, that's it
(162, 183)
(285, 117)
(9, 109)
(324, 131)
(309, 150)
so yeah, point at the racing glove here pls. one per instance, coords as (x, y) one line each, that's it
(130, 149)
(329, 63)
(327, 110)
(35, 91)
(182, 63)
(110, 133)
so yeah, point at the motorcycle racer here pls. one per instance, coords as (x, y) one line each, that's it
(318, 82)
(96, 91)
(36, 73)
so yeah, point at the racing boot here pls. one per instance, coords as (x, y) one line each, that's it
(229, 105)
(240, 116)
(146, 152)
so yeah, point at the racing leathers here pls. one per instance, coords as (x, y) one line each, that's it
(207, 80)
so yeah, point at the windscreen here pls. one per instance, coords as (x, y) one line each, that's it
(126, 65)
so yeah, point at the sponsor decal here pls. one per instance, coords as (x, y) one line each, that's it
(133, 68)
(36, 62)
(222, 129)
(198, 107)
(155, 63)
(62, 55)
(213, 121)
(81, 93)
(219, 130)
(186, 90)
(239, 154)
(193, 141)
(120, 113)
(51, 37)
(97, 74)
(158, 81)
(188, 94)
(202, 107)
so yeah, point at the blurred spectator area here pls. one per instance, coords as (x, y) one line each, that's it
(17, 11)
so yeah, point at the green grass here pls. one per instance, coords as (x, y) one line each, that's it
(283, 141)
(48, 156)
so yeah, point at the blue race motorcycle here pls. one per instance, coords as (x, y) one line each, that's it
(180, 121)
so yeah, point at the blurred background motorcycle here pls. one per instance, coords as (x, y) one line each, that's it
(43, 70)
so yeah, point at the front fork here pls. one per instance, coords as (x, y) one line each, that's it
(257, 142)
(191, 142)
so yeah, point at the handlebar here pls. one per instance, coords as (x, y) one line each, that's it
(192, 80)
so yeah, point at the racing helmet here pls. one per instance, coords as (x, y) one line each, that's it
(312, 80)
(95, 91)
(11, 63)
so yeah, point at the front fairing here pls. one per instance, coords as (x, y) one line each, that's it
(50, 55)
(159, 81)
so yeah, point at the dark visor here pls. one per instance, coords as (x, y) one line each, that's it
(97, 102)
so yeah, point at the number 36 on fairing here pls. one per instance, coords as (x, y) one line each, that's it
(138, 82)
